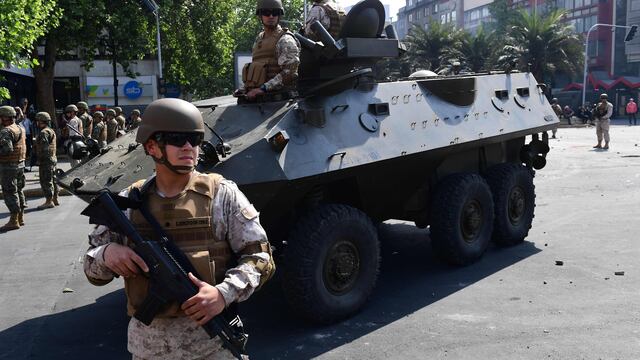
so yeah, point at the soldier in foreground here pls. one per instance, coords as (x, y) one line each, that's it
(330, 14)
(275, 57)
(210, 220)
(13, 151)
(112, 126)
(85, 117)
(99, 132)
(604, 110)
(47, 161)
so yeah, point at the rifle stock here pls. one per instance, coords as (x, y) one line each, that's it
(168, 271)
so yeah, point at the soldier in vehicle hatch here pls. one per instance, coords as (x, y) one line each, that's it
(227, 246)
(330, 14)
(276, 55)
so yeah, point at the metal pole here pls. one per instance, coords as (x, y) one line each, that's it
(586, 56)
(305, 12)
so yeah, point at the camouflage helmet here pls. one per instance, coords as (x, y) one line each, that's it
(604, 96)
(98, 114)
(118, 110)
(111, 112)
(82, 105)
(7, 111)
(43, 116)
(269, 4)
(169, 115)
(135, 112)
(71, 108)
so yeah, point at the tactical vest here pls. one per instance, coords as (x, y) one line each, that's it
(336, 18)
(264, 65)
(86, 120)
(99, 132)
(19, 152)
(48, 154)
(112, 130)
(121, 122)
(187, 218)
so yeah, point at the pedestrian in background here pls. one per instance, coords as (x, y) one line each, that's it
(604, 110)
(632, 110)
(558, 111)
(46, 151)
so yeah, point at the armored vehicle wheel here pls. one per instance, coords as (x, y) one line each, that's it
(331, 263)
(462, 218)
(514, 198)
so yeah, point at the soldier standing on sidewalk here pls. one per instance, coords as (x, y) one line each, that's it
(87, 121)
(47, 161)
(13, 151)
(604, 111)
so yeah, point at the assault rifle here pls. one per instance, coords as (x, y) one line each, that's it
(168, 268)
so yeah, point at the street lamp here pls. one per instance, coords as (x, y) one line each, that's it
(629, 37)
(155, 9)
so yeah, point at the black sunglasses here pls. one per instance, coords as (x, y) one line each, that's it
(270, 12)
(180, 139)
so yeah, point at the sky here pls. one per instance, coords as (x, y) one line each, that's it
(394, 4)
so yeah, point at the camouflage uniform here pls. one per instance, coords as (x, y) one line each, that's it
(330, 14)
(85, 117)
(112, 126)
(288, 55)
(12, 172)
(602, 125)
(99, 132)
(122, 122)
(47, 161)
(235, 220)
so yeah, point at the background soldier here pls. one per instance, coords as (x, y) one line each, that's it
(135, 119)
(85, 117)
(74, 123)
(276, 55)
(46, 152)
(558, 110)
(112, 125)
(99, 132)
(12, 154)
(604, 110)
(120, 118)
(229, 233)
(330, 14)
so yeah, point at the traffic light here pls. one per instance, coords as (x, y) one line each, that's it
(631, 33)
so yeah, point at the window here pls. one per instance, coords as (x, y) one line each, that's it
(578, 4)
(426, 12)
(485, 12)
(635, 5)
(443, 19)
(435, 8)
(579, 25)
(453, 16)
(410, 17)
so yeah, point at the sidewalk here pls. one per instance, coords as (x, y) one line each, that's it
(32, 187)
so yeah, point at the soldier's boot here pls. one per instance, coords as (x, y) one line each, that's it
(21, 217)
(13, 223)
(48, 204)
(54, 199)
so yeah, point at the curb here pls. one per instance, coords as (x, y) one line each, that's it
(37, 193)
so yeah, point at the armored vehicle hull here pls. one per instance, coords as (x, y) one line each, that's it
(455, 154)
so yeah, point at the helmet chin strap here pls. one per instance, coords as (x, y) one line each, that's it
(179, 170)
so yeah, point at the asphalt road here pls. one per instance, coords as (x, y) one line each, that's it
(515, 303)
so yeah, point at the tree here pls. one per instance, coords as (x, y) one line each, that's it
(473, 52)
(425, 47)
(542, 43)
(90, 27)
(22, 23)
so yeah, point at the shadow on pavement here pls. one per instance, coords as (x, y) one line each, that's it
(411, 278)
(97, 331)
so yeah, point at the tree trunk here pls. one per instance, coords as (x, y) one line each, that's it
(44, 74)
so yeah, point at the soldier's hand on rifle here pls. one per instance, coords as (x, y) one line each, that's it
(123, 261)
(206, 304)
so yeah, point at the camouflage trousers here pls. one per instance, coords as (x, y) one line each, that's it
(48, 184)
(12, 181)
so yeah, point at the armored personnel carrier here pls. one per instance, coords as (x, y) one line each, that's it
(453, 153)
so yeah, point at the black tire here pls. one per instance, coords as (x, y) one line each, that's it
(331, 263)
(461, 218)
(515, 201)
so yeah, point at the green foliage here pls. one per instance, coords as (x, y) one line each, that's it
(426, 47)
(545, 44)
(22, 22)
(473, 52)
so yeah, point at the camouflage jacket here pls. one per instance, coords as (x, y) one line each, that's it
(288, 55)
(318, 13)
(87, 122)
(6, 141)
(42, 146)
(180, 338)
